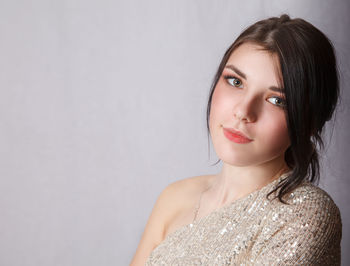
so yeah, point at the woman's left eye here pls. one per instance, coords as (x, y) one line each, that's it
(278, 101)
(233, 81)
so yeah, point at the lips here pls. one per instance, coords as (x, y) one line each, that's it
(236, 136)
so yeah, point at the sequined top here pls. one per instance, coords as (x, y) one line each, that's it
(256, 231)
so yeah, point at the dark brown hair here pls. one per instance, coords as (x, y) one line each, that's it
(311, 83)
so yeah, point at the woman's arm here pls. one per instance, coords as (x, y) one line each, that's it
(155, 228)
(153, 232)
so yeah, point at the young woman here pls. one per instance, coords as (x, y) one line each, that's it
(275, 88)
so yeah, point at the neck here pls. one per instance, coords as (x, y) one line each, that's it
(234, 182)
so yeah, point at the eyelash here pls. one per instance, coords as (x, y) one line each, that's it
(227, 78)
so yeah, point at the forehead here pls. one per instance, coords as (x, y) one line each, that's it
(255, 62)
(250, 47)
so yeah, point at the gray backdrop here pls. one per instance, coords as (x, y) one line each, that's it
(103, 105)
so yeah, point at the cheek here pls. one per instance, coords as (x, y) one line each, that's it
(217, 98)
(215, 111)
(219, 104)
(276, 130)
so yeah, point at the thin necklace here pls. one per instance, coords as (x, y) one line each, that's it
(198, 204)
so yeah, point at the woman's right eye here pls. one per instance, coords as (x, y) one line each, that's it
(233, 81)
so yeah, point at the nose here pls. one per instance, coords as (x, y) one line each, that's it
(246, 109)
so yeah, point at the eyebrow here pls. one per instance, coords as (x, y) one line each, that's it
(235, 69)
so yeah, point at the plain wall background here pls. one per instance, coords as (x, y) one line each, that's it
(103, 104)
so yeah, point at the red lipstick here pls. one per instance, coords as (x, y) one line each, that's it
(236, 136)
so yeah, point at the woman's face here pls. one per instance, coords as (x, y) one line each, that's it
(243, 101)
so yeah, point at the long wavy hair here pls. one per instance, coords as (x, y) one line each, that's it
(311, 83)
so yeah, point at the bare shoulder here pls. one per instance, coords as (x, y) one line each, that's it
(187, 188)
(182, 194)
(172, 199)
(183, 198)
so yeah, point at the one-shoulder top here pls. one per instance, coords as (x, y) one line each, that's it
(254, 230)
